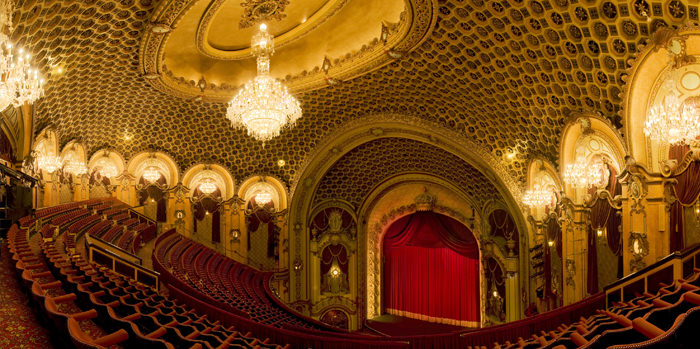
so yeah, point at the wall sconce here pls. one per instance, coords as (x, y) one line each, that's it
(298, 266)
(550, 243)
(601, 233)
(697, 208)
(235, 235)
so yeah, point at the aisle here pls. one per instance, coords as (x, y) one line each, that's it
(19, 327)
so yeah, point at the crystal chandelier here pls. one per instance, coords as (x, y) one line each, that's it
(106, 167)
(151, 174)
(672, 122)
(49, 163)
(263, 106)
(20, 83)
(539, 196)
(263, 197)
(207, 186)
(77, 168)
(582, 174)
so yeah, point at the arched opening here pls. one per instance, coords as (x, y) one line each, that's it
(152, 196)
(207, 213)
(431, 270)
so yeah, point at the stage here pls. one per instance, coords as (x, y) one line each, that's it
(397, 326)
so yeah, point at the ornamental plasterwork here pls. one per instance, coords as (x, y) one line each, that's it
(419, 17)
(257, 11)
(638, 246)
(373, 266)
(433, 133)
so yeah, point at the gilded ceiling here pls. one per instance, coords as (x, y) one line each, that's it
(503, 73)
(359, 171)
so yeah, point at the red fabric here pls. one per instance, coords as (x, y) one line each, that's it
(211, 205)
(431, 268)
(687, 190)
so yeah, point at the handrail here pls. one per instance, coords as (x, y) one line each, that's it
(104, 245)
(673, 256)
(141, 215)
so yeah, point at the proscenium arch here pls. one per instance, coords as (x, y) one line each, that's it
(365, 129)
(370, 240)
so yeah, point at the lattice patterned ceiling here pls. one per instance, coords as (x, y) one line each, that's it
(502, 72)
(353, 176)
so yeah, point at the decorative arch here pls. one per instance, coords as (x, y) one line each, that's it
(252, 185)
(106, 162)
(590, 136)
(373, 227)
(652, 68)
(220, 176)
(164, 162)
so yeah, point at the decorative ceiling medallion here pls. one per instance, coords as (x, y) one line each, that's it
(223, 60)
(258, 11)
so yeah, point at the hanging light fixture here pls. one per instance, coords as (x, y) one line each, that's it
(672, 121)
(77, 168)
(106, 167)
(263, 106)
(263, 197)
(539, 196)
(207, 186)
(20, 83)
(49, 163)
(582, 174)
(151, 174)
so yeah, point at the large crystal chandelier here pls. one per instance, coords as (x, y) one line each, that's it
(263, 106)
(207, 186)
(582, 174)
(672, 122)
(151, 174)
(19, 83)
(539, 196)
(49, 163)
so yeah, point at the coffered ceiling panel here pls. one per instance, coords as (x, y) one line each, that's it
(504, 73)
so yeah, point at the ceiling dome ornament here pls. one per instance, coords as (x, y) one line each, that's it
(263, 106)
(19, 83)
(673, 122)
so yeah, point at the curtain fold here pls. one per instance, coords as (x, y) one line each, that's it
(431, 270)
(687, 191)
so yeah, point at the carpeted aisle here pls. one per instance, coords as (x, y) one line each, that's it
(19, 327)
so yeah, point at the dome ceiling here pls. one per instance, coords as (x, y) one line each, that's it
(503, 73)
(201, 49)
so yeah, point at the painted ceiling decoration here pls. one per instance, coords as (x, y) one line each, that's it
(505, 74)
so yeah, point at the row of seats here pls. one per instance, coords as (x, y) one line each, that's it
(98, 308)
(227, 282)
(666, 319)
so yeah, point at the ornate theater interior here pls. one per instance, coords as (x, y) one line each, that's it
(349, 173)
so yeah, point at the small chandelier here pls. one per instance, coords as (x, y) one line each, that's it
(20, 83)
(263, 106)
(151, 174)
(672, 122)
(106, 167)
(77, 168)
(539, 196)
(263, 197)
(582, 174)
(207, 186)
(49, 163)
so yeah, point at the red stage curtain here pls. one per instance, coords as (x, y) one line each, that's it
(687, 190)
(432, 270)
